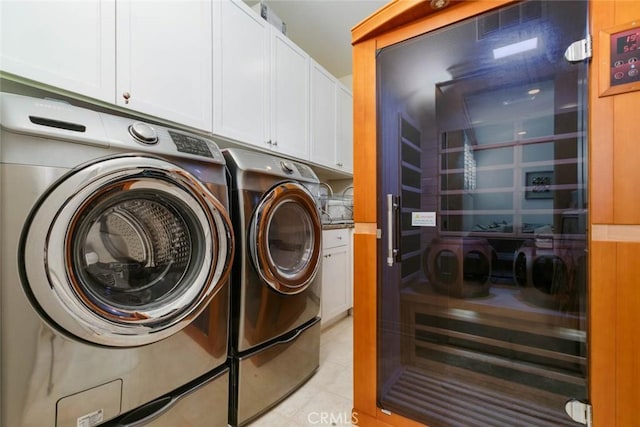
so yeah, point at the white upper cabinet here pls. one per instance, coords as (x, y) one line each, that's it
(261, 83)
(216, 66)
(344, 141)
(289, 97)
(241, 74)
(164, 59)
(331, 121)
(65, 44)
(323, 116)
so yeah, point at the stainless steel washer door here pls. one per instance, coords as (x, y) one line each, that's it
(127, 250)
(285, 238)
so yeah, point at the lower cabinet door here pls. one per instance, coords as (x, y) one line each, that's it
(335, 282)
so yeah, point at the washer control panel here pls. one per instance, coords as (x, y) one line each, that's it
(137, 135)
(190, 144)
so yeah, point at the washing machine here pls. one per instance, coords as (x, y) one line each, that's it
(275, 328)
(116, 247)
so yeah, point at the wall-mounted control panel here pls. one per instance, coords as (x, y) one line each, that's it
(620, 59)
(625, 57)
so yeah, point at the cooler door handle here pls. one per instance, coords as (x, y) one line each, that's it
(392, 252)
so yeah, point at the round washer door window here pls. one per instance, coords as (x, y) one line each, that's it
(135, 247)
(285, 238)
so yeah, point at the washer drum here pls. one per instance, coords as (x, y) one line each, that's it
(552, 277)
(459, 266)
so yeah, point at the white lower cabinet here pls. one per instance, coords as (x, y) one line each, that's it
(336, 274)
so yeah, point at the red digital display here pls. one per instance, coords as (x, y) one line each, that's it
(628, 43)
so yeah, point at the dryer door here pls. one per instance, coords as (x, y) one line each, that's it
(126, 251)
(285, 238)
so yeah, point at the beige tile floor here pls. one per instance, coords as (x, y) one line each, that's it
(327, 398)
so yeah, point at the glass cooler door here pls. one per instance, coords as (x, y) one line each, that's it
(483, 260)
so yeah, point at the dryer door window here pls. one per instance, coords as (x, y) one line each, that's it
(286, 238)
(135, 248)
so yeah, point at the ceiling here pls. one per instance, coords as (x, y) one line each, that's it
(322, 28)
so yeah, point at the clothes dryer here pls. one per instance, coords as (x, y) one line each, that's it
(275, 333)
(116, 250)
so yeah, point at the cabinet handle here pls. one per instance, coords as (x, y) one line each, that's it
(275, 143)
(126, 96)
(269, 142)
(339, 164)
(339, 237)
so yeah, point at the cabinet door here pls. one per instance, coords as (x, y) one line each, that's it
(344, 143)
(323, 116)
(66, 44)
(241, 73)
(336, 292)
(289, 97)
(164, 51)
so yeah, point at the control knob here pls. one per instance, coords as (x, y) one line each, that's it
(286, 167)
(143, 133)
